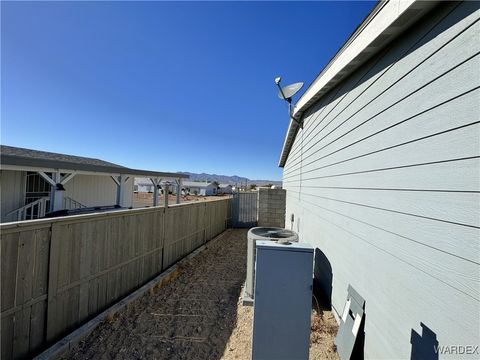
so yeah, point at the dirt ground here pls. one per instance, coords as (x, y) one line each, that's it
(323, 330)
(198, 315)
(146, 199)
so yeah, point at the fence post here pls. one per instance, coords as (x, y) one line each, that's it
(163, 237)
(165, 195)
(52, 283)
(205, 223)
(229, 213)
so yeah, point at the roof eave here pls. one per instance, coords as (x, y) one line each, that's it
(373, 34)
(9, 162)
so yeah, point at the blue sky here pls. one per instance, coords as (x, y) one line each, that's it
(161, 85)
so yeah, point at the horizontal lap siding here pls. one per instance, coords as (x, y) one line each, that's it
(384, 178)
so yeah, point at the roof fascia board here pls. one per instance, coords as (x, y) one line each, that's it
(287, 142)
(360, 41)
(50, 169)
(383, 21)
(19, 163)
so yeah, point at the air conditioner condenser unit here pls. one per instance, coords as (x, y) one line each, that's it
(283, 301)
(262, 234)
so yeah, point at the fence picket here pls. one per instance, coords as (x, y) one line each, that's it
(57, 273)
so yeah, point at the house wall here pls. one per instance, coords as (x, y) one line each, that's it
(12, 184)
(91, 190)
(87, 189)
(225, 190)
(195, 190)
(211, 190)
(203, 191)
(384, 181)
(145, 187)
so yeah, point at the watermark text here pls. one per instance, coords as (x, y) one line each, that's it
(457, 349)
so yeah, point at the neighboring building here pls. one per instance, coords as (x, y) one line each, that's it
(143, 185)
(200, 188)
(34, 183)
(383, 176)
(225, 189)
(269, 187)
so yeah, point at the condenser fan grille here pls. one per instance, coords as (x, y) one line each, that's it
(281, 236)
(273, 233)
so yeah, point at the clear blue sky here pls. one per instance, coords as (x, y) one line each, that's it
(161, 85)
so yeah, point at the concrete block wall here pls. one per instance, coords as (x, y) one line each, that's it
(271, 207)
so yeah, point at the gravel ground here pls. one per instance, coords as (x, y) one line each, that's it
(197, 315)
(323, 330)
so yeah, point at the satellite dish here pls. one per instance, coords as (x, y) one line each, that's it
(287, 92)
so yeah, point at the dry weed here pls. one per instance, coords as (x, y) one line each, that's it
(110, 317)
(320, 328)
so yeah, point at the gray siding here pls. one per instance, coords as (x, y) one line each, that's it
(89, 190)
(12, 184)
(92, 190)
(384, 180)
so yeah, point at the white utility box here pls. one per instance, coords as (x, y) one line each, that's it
(283, 301)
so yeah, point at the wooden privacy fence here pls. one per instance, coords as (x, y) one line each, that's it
(58, 273)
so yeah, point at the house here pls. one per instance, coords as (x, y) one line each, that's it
(34, 183)
(225, 189)
(382, 173)
(200, 188)
(143, 185)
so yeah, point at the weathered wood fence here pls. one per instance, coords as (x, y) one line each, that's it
(58, 273)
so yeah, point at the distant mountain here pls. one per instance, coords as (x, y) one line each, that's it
(225, 179)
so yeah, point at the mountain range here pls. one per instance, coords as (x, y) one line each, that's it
(225, 179)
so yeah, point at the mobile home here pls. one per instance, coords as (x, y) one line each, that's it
(200, 188)
(34, 183)
(225, 189)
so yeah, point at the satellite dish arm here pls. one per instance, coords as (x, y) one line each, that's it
(290, 112)
(297, 87)
(283, 94)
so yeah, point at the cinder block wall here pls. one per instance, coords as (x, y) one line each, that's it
(271, 207)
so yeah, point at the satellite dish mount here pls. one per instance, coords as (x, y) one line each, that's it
(286, 93)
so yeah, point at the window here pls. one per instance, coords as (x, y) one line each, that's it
(36, 187)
